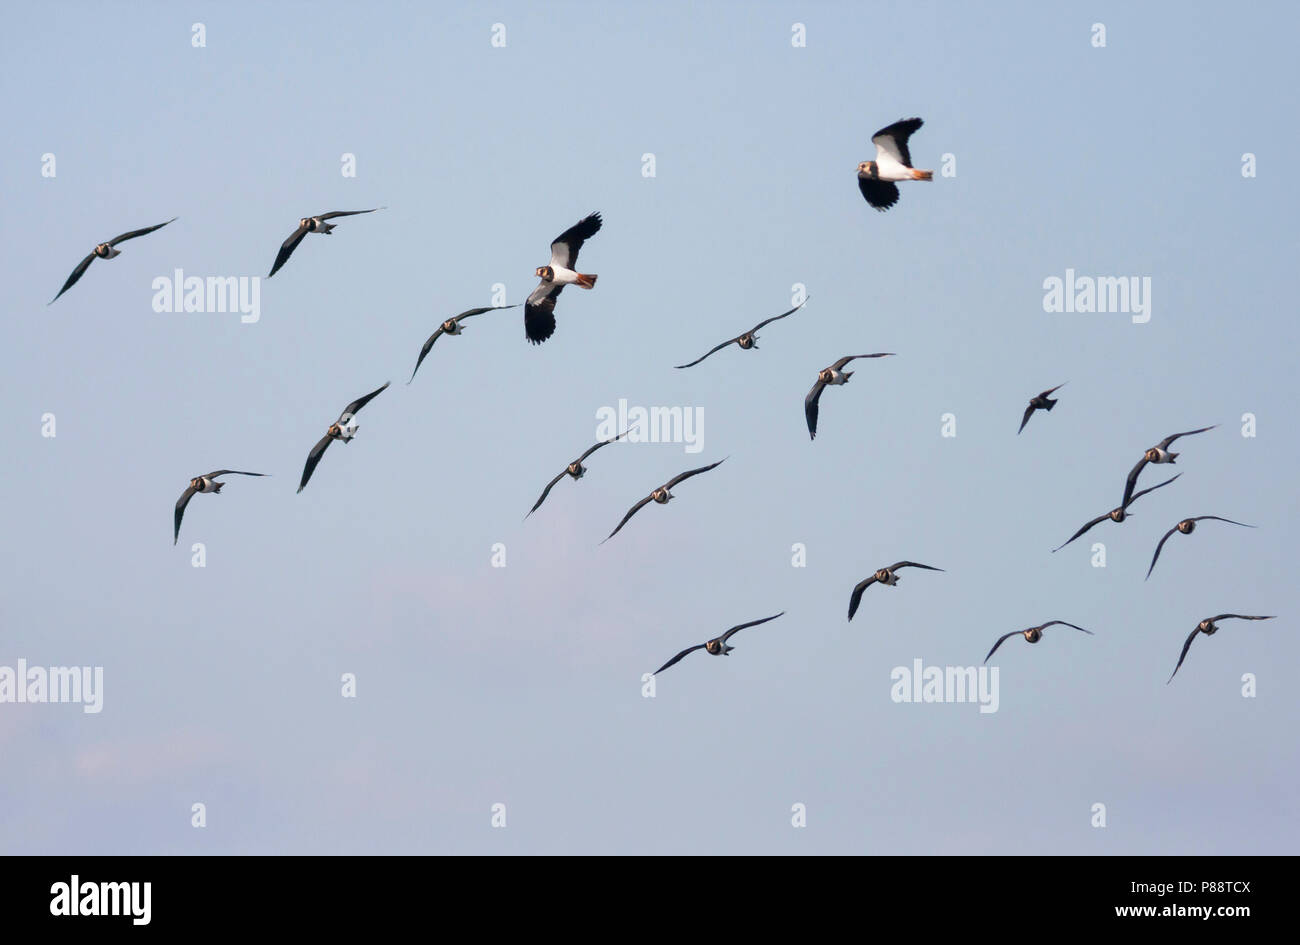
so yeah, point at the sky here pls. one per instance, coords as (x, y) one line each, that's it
(504, 709)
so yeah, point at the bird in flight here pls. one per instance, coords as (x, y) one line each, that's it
(1115, 515)
(539, 310)
(1033, 634)
(1156, 454)
(575, 470)
(344, 428)
(718, 645)
(1208, 626)
(307, 225)
(1041, 402)
(833, 375)
(1186, 527)
(452, 327)
(884, 576)
(878, 179)
(662, 495)
(105, 251)
(204, 484)
(748, 339)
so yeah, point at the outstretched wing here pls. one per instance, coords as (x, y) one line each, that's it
(777, 318)
(1029, 412)
(839, 365)
(313, 458)
(604, 443)
(999, 643)
(1065, 623)
(1236, 617)
(881, 194)
(479, 311)
(231, 472)
(682, 477)
(753, 623)
(76, 274)
(630, 512)
(1141, 492)
(360, 402)
(134, 233)
(1165, 443)
(1099, 518)
(677, 658)
(857, 594)
(183, 501)
(428, 346)
(539, 312)
(344, 213)
(287, 248)
(1183, 655)
(810, 407)
(913, 564)
(891, 141)
(564, 249)
(713, 350)
(545, 492)
(1217, 518)
(1157, 554)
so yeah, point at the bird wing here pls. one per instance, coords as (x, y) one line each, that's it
(564, 249)
(630, 512)
(603, 443)
(1052, 390)
(1140, 493)
(891, 142)
(713, 350)
(428, 346)
(753, 623)
(287, 248)
(479, 311)
(1157, 554)
(313, 458)
(881, 194)
(1099, 518)
(675, 659)
(1218, 518)
(183, 501)
(856, 597)
(360, 402)
(1183, 655)
(134, 233)
(1236, 617)
(545, 492)
(231, 472)
(1029, 412)
(682, 477)
(1065, 623)
(913, 564)
(1132, 481)
(72, 279)
(1164, 444)
(539, 312)
(999, 643)
(776, 318)
(344, 213)
(839, 365)
(810, 407)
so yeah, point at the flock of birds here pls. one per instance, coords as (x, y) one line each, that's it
(877, 181)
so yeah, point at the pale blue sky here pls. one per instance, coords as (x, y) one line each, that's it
(521, 685)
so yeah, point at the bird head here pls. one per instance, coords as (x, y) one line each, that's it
(866, 168)
(303, 221)
(1207, 627)
(1186, 526)
(1152, 455)
(196, 483)
(546, 273)
(334, 430)
(577, 470)
(827, 375)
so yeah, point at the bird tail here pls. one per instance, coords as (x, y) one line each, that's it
(1050, 405)
(1174, 456)
(586, 282)
(922, 175)
(328, 228)
(216, 487)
